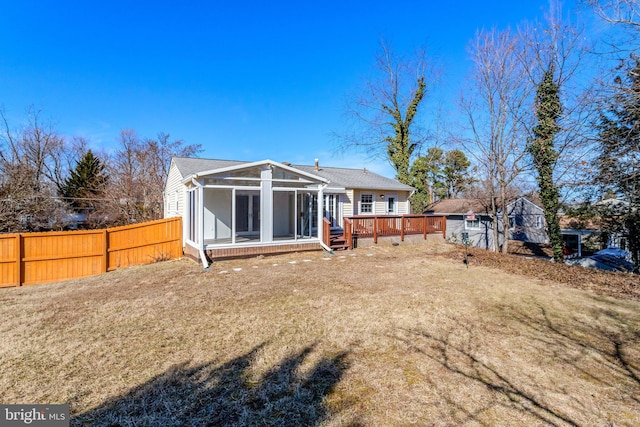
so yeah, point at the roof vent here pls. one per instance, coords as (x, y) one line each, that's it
(364, 170)
(317, 164)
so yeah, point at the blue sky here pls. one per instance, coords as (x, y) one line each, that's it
(247, 80)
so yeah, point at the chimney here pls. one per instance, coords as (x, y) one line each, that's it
(317, 164)
(364, 170)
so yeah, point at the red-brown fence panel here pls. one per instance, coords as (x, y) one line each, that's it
(144, 243)
(9, 260)
(55, 256)
(31, 258)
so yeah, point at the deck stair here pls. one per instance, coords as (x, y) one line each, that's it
(337, 242)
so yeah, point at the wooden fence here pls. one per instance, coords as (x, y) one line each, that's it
(31, 258)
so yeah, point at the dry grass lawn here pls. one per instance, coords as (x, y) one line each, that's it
(383, 336)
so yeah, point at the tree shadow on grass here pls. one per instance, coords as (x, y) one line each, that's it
(227, 395)
(603, 333)
(594, 346)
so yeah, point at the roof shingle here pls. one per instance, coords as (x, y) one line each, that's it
(338, 177)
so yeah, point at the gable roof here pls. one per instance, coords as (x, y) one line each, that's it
(478, 206)
(524, 200)
(190, 165)
(355, 178)
(457, 206)
(337, 177)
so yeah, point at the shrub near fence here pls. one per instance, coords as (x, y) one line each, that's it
(31, 258)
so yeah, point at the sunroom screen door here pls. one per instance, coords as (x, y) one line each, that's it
(247, 214)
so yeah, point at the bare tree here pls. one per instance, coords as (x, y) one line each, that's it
(138, 170)
(496, 108)
(387, 110)
(625, 12)
(33, 164)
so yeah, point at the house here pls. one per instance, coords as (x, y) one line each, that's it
(526, 221)
(465, 218)
(579, 235)
(234, 208)
(472, 217)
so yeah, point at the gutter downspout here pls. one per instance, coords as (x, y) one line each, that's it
(203, 256)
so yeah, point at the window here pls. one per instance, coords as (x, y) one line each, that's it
(391, 205)
(538, 221)
(512, 222)
(193, 216)
(472, 224)
(175, 201)
(366, 203)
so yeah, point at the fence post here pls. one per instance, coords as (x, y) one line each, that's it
(105, 250)
(402, 228)
(424, 232)
(18, 251)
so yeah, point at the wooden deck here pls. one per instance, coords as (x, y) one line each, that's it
(374, 226)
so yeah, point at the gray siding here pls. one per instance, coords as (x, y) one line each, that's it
(526, 222)
(479, 238)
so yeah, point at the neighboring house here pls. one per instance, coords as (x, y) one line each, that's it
(471, 216)
(234, 208)
(526, 221)
(468, 216)
(578, 233)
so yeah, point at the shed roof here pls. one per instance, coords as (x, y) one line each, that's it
(457, 206)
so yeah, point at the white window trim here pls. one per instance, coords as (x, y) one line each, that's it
(395, 203)
(372, 203)
(467, 227)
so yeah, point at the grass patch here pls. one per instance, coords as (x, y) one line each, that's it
(377, 336)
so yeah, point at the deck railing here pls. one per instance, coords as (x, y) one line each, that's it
(326, 231)
(374, 226)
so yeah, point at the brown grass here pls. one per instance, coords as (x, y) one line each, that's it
(381, 336)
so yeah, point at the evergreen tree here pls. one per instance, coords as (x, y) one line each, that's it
(618, 163)
(85, 183)
(542, 149)
(438, 175)
(456, 173)
(426, 178)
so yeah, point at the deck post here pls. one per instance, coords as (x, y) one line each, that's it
(375, 229)
(424, 228)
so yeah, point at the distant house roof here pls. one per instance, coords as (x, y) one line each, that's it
(571, 223)
(457, 206)
(337, 177)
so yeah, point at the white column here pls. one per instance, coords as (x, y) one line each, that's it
(266, 205)
(233, 216)
(321, 211)
(200, 208)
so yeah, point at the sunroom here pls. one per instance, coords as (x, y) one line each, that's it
(253, 208)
